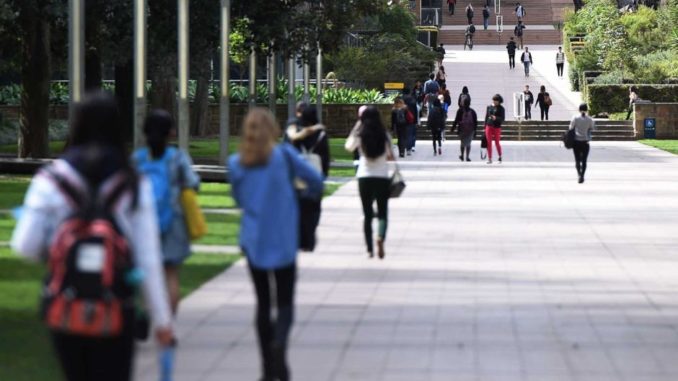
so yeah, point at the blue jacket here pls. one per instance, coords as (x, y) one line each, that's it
(269, 231)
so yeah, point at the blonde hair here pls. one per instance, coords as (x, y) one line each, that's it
(260, 132)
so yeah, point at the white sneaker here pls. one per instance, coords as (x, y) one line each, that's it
(489, 162)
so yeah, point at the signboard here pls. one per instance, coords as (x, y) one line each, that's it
(650, 128)
(393, 88)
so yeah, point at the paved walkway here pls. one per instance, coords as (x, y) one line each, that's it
(485, 71)
(503, 272)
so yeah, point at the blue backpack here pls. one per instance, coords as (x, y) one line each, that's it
(159, 172)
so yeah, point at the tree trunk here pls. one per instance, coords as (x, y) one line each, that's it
(164, 85)
(200, 110)
(93, 64)
(93, 69)
(124, 93)
(35, 77)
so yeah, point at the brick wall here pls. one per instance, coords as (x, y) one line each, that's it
(666, 115)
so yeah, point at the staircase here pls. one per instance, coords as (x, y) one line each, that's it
(546, 130)
(541, 15)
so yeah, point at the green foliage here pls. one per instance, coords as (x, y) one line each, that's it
(656, 67)
(10, 95)
(610, 78)
(615, 98)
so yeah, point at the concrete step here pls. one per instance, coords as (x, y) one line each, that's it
(491, 37)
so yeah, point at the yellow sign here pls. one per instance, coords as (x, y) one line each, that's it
(394, 86)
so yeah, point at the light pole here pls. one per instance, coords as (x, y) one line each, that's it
(182, 101)
(272, 83)
(319, 84)
(139, 71)
(253, 78)
(76, 56)
(224, 102)
(291, 100)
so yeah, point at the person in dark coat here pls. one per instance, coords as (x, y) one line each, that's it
(467, 123)
(511, 49)
(436, 123)
(314, 142)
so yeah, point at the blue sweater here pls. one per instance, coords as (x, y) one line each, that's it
(269, 231)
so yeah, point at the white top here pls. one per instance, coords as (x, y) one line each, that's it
(367, 167)
(583, 127)
(526, 57)
(45, 207)
(560, 57)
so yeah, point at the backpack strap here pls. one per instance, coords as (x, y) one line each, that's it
(321, 136)
(74, 196)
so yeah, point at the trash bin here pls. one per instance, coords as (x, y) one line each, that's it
(650, 125)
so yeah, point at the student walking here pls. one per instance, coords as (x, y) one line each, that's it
(450, 6)
(436, 123)
(520, 12)
(447, 97)
(494, 117)
(170, 171)
(544, 102)
(441, 76)
(560, 61)
(486, 17)
(529, 101)
(469, 13)
(431, 90)
(511, 49)
(262, 178)
(374, 181)
(400, 118)
(92, 218)
(413, 110)
(526, 59)
(583, 125)
(464, 95)
(470, 31)
(466, 121)
(519, 31)
(633, 98)
(315, 142)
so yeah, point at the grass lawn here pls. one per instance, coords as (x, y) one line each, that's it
(25, 351)
(666, 145)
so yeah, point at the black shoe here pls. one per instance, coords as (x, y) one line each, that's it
(581, 179)
(467, 159)
(461, 158)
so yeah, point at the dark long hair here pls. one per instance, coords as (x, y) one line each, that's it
(97, 142)
(373, 134)
(157, 128)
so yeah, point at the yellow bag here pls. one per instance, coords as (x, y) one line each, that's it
(195, 219)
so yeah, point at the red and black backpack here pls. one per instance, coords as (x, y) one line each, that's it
(86, 291)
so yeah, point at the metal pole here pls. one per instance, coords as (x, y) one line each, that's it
(139, 71)
(224, 102)
(253, 78)
(272, 83)
(319, 84)
(182, 101)
(76, 55)
(291, 99)
(307, 82)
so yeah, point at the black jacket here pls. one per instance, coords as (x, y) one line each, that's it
(436, 119)
(541, 100)
(511, 47)
(322, 148)
(522, 57)
(458, 118)
(530, 96)
(499, 112)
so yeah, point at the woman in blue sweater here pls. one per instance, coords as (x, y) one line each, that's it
(262, 178)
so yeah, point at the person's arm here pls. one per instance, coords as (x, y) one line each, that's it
(323, 150)
(189, 177)
(35, 227)
(530, 58)
(145, 241)
(500, 115)
(303, 170)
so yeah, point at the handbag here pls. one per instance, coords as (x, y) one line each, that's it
(569, 138)
(195, 219)
(313, 159)
(397, 185)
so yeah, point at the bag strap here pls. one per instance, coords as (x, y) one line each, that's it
(321, 136)
(72, 194)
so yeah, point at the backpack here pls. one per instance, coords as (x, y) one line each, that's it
(518, 31)
(409, 117)
(401, 118)
(466, 125)
(88, 291)
(472, 29)
(462, 98)
(547, 99)
(159, 172)
(569, 138)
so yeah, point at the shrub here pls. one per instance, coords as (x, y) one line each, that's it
(615, 98)
(610, 78)
(656, 67)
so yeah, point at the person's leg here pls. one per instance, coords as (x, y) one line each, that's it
(576, 149)
(488, 136)
(265, 329)
(111, 359)
(528, 114)
(546, 112)
(541, 110)
(71, 354)
(628, 115)
(172, 280)
(365, 188)
(462, 148)
(468, 152)
(382, 196)
(497, 141)
(285, 279)
(586, 148)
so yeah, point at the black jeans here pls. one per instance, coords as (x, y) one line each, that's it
(512, 61)
(437, 136)
(528, 111)
(309, 218)
(581, 155)
(273, 334)
(401, 133)
(451, 8)
(544, 112)
(100, 359)
(559, 67)
(371, 189)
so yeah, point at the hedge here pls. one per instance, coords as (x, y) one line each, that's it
(615, 98)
